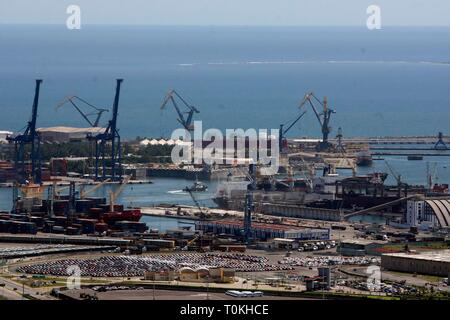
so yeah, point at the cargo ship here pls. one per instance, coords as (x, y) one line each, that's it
(69, 215)
(230, 194)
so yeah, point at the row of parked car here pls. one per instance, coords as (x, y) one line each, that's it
(315, 246)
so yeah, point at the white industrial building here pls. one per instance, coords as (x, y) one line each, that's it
(4, 135)
(428, 213)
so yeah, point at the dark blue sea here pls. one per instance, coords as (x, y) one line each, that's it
(394, 81)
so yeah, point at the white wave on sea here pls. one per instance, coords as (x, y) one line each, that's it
(276, 62)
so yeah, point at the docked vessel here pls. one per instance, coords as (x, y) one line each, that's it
(69, 215)
(364, 159)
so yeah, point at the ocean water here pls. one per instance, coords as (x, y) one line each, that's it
(392, 81)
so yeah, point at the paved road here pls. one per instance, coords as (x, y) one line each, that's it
(12, 294)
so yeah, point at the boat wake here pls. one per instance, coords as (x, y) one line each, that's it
(177, 192)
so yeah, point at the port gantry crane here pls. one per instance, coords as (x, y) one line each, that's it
(323, 117)
(186, 122)
(202, 214)
(398, 178)
(29, 137)
(86, 116)
(111, 135)
(284, 131)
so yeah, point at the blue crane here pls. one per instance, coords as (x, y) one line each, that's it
(323, 117)
(29, 137)
(283, 131)
(186, 122)
(111, 136)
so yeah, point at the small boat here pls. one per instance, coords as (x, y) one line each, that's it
(196, 187)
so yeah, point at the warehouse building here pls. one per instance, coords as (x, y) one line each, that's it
(359, 247)
(67, 134)
(433, 263)
(428, 213)
(263, 231)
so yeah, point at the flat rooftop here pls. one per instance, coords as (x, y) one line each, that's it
(258, 225)
(62, 129)
(439, 256)
(362, 241)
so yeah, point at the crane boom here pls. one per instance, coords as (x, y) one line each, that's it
(114, 195)
(85, 193)
(323, 117)
(97, 111)
(190, 110)
(195, 201)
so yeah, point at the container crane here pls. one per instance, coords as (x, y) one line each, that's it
(29, 137)
(86, 116)
(323, 117)
(202, 214)
(186, 122)
(440, 144)
(283, 131)
(111, 135)
(114, 195)
(398, 178)
(84, 193)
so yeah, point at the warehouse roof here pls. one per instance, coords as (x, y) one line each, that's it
(72, 129)
(258, 225)
(443, 255)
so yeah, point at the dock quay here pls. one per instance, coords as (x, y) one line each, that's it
(64, 239)
(393, 140)
(295, 211)
(406, 154)
(188, 212)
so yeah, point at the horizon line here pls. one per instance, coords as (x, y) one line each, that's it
(224, 25)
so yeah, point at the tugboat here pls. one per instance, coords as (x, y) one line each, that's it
(196, 187)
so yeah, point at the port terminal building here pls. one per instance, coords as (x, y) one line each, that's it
(433, 263)
(262, 231)
(428, 213)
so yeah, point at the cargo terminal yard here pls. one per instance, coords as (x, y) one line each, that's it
(311, 230)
